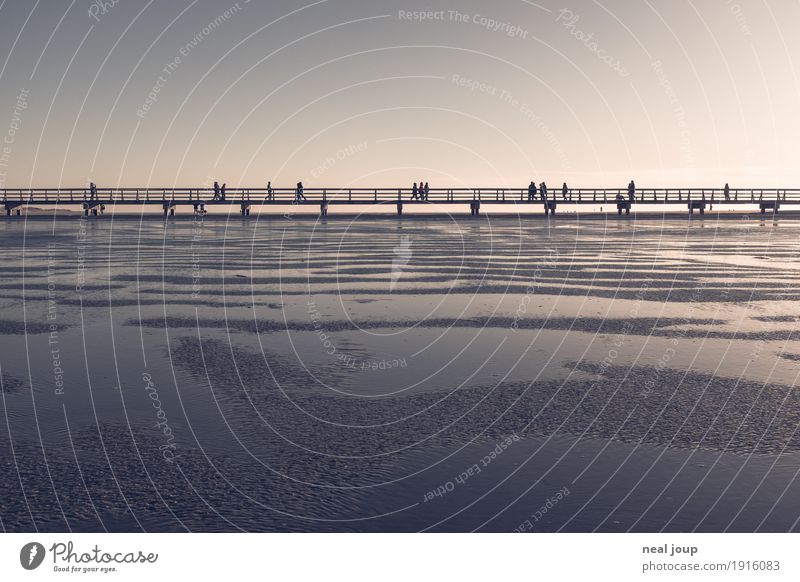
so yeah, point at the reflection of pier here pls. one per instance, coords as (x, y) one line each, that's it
(98, 199)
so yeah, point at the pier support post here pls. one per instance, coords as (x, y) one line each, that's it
(550, 207)
(699, 204)
(769, 205)
(323, 209)
(399, 209)
(13, 208)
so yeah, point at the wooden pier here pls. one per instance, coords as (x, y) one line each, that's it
(95, 200)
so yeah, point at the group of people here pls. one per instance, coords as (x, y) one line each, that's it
(298, 192)
(543, 191)
(566, 192)
(420, 192)
(219, 191)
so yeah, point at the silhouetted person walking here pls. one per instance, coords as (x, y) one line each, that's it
(216, 190)
(532, 191)
(222, 191)
(92, 190)
(427, 189)
(564, 191)
(543, 190)
(727, 191)
(631, 191)
(414, 192)
(269, 191)
(298, 193)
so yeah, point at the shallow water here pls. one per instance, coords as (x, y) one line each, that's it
(275, 375)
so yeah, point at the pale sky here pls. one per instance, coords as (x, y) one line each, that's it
(346, 93)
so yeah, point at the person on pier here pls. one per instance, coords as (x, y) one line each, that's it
(269, 191)
(564, 191)
(727, 191)
(414, 192)
(92, 190)
(298, 193)
(532, 191)
(216, 190)
(631, 191)
(222, 190)
(427, 189)
(543, 190)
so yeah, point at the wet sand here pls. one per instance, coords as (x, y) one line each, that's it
(304, 375)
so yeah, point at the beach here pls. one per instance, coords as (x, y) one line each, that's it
(373, 374)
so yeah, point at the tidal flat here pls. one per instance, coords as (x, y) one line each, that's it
(485, 374)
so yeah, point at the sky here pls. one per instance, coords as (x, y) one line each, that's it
(341, 93)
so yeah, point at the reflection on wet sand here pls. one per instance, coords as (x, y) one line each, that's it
(327, 376)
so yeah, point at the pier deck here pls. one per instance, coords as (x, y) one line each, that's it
(198, 198)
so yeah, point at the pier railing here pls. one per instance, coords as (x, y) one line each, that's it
(373, 195)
